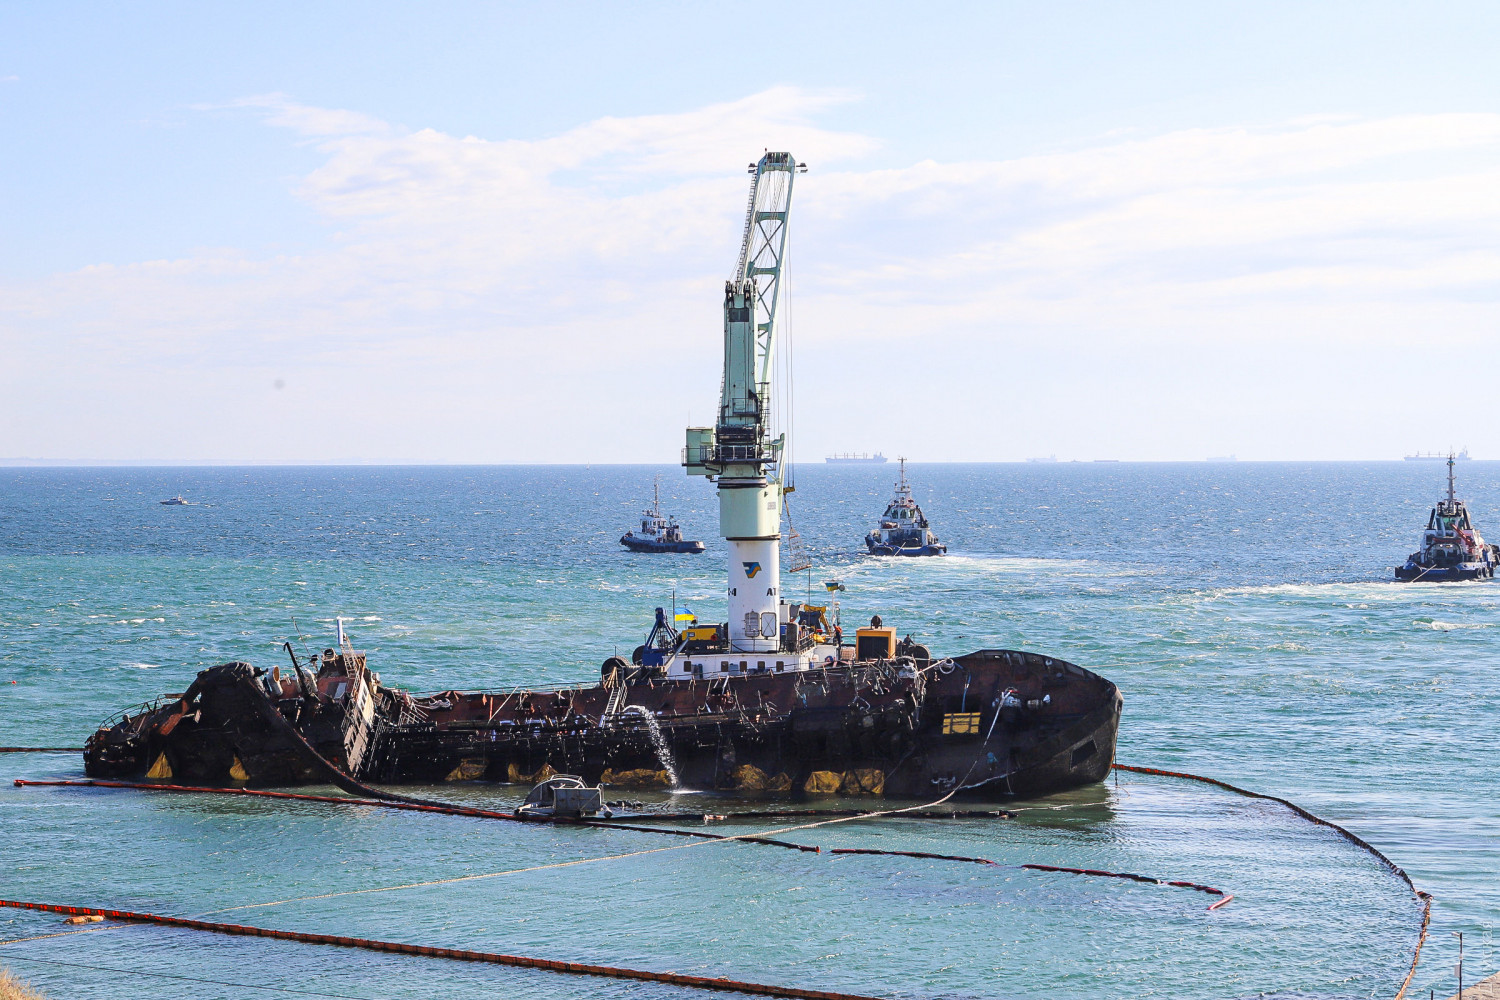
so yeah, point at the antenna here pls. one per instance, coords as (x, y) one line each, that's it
(301, 638)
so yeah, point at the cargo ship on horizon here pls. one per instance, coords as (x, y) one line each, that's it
(1437, 456)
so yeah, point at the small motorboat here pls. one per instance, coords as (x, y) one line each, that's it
(176, 501)
(903, 529)
(565, 795)
(1452, 548)
(659, 533)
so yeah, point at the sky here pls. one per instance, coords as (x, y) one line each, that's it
(485, 233)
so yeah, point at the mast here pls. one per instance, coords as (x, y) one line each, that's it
(738, 451)
(1450, 477)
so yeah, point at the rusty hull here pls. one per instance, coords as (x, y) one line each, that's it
(991, 724)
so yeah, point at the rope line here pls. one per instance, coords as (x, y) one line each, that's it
(1424, 897)
(462, 878)
(720, 985)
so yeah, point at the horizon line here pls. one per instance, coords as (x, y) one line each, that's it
(208, 463)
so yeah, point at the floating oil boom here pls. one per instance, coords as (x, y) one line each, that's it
(771, 701)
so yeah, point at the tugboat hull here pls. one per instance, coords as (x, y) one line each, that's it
(882, 549)
(1412, 572)
(992, 724)
(635, 544)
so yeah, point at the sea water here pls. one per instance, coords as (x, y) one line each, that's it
(1245, 610)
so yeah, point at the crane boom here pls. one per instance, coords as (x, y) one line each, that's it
(764, 246)
(738, 450)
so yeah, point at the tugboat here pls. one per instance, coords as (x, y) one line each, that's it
(658, 532)
(903, 527)
(1452, 548)
(771, 700)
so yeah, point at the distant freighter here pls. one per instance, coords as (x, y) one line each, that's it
(851, 458)
(1462, 456)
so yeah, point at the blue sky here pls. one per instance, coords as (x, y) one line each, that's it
(481, 233)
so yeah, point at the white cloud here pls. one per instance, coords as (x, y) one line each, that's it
(279, 109)
(565, 288)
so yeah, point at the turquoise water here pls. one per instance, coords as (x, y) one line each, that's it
(1243, 609)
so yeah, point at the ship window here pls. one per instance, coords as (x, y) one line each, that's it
(743, 666)
(761, 665)
(780, 664)
(723, 666)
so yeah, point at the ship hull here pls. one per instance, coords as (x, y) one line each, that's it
(644, 545)
(992, 724)
(881, 549)
(1413, 572)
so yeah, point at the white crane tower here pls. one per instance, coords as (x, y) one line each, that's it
(738, 450)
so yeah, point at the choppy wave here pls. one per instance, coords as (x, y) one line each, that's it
(1442, 626)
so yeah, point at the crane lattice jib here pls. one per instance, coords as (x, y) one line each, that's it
(764, 247)
(757, 279)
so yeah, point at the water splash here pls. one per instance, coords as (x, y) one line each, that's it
(658, 740)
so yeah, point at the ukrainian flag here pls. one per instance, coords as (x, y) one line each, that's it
(684, 615)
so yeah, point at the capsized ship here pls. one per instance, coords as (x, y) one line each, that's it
(1452, 548)
(903, 529)
(773, 699)
(659, 533)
